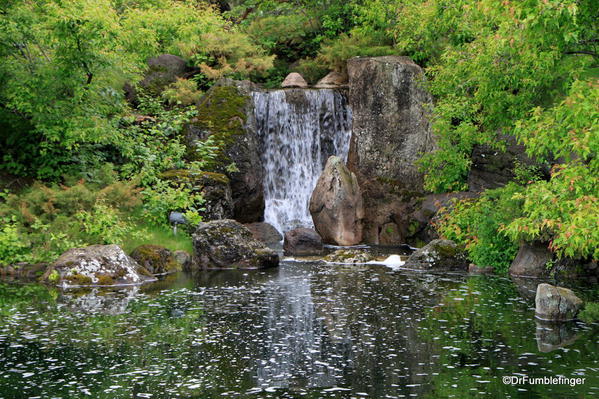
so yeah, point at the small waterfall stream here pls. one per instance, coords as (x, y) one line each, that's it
(299, 129)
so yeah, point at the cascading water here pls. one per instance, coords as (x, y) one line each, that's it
(299, 129)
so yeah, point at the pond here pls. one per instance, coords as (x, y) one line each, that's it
(305, 330)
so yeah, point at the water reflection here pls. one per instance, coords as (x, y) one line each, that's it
(303, 330)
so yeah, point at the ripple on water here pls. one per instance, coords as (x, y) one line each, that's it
(304, 330)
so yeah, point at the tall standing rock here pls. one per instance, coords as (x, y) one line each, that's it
(336, 205)
(226, 113)
(390, 132)
(556, 303)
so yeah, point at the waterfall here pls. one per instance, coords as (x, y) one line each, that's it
(299, 129)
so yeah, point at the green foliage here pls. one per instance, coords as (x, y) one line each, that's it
(183, 92)
(563, 210)
(13, 247)
(477, 223)
(590, 313)
(163, 197)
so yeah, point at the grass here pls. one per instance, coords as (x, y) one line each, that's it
(159, 236)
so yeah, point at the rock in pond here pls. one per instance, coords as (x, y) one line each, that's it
(336, 205)
(349, 256)
(184, 259)
(556, 303)
(265, 232)
(302, 242)
(156, 259)
(438, 255)
(227, 244)
(531, 261)
(96, 265)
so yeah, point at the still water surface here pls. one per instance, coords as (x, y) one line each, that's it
(304, 330)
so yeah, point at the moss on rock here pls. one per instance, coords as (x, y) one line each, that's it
(155, 259)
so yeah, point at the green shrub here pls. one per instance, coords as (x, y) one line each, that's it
(14, 247)
(477, 224)
(590, 313)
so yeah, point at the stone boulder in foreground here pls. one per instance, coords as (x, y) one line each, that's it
(556, 303)
(96, 265)
(438, 255)
(336, 205)
(227, 244)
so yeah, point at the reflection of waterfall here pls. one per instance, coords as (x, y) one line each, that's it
(295, 343)
(299, 130)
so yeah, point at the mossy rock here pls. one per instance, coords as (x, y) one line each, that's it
(438, 255)
(222, 114)
(350, 256)
(156, 259)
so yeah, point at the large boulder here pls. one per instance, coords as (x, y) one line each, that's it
(336, 205)
(156, 259)
(302, 242)
(162, 71)
(390, 132)
(226, 113)
(265, 233)
(438, 255)
(294, 80)
(531, 261)
(228, 244)
(556, 303)
(96, 265)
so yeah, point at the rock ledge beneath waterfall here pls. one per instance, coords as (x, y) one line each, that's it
(227, 244)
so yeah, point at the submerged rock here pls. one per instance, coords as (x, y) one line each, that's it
(531, 261)
(296, 80)
(156, 259)
(438, 255)
(556, 303)
(96, 265)
(349, 256)
(265, 232)
(302, 242)
(473, 269)
(230, 245)
(336, 205)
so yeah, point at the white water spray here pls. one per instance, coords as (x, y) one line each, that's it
(299, 130)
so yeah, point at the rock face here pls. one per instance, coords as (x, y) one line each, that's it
(336, 205)
(556, 303)
(226, 114)
(390, 132)
(156, 259)
(96, 265)
(295, 80)
(531, 261)
(438, 255)
(265, 233)
(391, 126)
(332, 80)
(492, 168)
(228, 244)
(302, 242)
